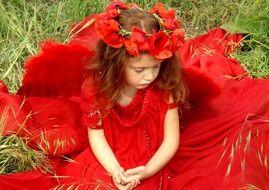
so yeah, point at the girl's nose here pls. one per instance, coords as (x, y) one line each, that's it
(149, 75)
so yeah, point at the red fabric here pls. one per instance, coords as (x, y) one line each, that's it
(56, 71)
(84, 33)
(56, 133)
(15, 114)
(224, 135)
(92, 116)
(26, 180)
(207, 144)
(3, 87)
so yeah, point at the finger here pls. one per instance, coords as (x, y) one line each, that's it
(137, 182)
(127, 187)
(132, 171)
(117, 179)
(119, 186)
(123, 187)
(132, 178)
(123, 176)
(133, 184)
(121, 169)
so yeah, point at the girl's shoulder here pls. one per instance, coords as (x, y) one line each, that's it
(89, 88)
(159, 98)
(157, 94)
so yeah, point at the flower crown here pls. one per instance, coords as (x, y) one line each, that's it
(162, 44)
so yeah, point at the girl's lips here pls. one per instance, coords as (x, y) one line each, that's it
(143, 85)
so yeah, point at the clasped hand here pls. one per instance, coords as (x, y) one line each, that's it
(129, 179)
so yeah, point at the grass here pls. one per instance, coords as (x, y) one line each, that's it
(15, 154)
(25, 24)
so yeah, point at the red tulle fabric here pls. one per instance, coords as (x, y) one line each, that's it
(224, 135)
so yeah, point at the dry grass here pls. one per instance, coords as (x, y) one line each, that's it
(16, 155)
(242, 143)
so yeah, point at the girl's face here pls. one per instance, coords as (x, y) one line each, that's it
(141, 71)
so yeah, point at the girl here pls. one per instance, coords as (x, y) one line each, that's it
(130, 99)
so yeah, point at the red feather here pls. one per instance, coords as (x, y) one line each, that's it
(3, 87)
(56, 71)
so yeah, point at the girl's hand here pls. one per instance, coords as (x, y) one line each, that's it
(121, 186)
(137, 173)
(119, 176)
(128, 186)
(122, 181)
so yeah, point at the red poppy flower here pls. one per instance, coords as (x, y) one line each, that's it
(117, 4)
(177, 39)
(158, 41)
(112, 14)
(107, 30)
(162, 12)
(159, 45)
(139, 37)
(138, 34)
(167, 14)
(104, 27)
(114, 40)
(131, 47)
(163, 54)
(162, 45)
(170, 24)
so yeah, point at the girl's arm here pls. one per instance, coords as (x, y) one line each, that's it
(167, 149)
(107, 159)
(102, 150)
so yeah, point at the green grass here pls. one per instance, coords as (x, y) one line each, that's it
(15, 154)
(26, 23)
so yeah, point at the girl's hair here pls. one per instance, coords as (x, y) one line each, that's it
(108, 67)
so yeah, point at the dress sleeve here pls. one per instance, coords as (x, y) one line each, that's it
(170, 103)
(91, 115)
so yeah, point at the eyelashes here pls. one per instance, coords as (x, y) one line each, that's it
(140, 70)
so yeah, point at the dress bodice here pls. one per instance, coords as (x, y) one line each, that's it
(137, 128)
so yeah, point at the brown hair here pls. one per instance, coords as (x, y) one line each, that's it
(109, 65)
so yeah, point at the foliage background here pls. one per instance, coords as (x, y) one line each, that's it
(24, 24)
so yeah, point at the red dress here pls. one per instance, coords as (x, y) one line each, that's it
(134, 133)
(224, 140)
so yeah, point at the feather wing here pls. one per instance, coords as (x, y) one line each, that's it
(56, 71)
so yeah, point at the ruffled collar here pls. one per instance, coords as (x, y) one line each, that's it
(132, 113)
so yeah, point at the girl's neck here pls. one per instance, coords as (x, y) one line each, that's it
(127, 95)
(128, 90)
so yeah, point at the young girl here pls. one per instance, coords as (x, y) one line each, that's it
(130, 99)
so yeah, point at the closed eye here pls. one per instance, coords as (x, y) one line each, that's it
(139, 70)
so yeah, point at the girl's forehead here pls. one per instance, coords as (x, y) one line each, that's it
(143, 60)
